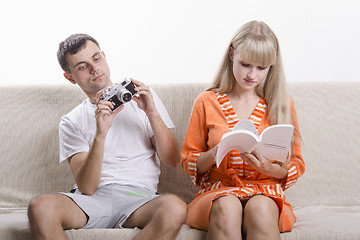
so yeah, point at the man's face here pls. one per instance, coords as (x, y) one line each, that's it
(89, 69)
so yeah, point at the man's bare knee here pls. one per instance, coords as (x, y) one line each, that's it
(173, 208)
(40, 207)
(55, 209)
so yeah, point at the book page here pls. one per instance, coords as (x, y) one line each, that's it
(245, 124)
(240, 140)
(275, 142)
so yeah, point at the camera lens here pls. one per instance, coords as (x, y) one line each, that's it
(126, 97)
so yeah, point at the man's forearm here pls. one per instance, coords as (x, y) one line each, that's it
(166, 145)
(89, 173)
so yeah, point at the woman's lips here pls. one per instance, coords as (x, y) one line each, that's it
(249, 81)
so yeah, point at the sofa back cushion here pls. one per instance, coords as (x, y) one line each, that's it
(178, 100)
(327, 112)
(29, 145)
(329, 121)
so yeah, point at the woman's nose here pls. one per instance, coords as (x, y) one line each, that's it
(252, 73)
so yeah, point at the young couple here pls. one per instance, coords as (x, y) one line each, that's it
(115, 155)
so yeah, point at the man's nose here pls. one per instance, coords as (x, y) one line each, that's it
(94, 69)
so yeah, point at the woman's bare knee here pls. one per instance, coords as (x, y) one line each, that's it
(261, 206)
(225, 206)
(261, 216)
(226, 217)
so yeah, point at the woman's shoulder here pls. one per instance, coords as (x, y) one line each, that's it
(291, 102)
(206, 96)
(207, 100)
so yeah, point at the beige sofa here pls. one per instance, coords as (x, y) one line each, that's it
(326, 199)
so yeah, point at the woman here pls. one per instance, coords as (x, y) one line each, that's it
(243, 197)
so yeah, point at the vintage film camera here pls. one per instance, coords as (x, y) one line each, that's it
(119, 93)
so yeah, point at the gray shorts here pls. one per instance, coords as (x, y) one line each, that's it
(111, 205)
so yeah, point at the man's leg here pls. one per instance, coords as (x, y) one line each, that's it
(50, 214)
(160, 218)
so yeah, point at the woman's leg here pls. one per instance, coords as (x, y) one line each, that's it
(225, 218)
(261, 218)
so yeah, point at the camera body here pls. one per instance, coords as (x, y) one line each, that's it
(119, 93)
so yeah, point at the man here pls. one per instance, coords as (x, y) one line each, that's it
(113, 155)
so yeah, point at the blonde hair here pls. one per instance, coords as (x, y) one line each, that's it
(256, 43)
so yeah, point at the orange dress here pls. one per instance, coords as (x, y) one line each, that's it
(211, 117)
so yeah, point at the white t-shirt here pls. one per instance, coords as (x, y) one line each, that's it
(129, 156)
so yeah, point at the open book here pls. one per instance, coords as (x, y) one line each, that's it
(273, 143)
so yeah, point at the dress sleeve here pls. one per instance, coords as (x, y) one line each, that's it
(195, 141)
(296, 164)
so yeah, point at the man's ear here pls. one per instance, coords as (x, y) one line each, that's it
(68, 77)
(103, 53)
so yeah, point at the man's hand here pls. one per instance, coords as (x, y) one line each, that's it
(164, 142)
(104, 115)
(145, 99)
(86, 166)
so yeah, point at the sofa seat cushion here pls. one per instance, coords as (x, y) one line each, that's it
(313, 222)
(325, 222)
(186, 233)
(14, 224)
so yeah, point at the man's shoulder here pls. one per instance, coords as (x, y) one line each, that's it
(77, 111)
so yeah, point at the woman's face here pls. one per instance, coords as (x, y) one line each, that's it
(248, 75)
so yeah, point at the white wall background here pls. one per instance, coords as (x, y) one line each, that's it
(166, 41)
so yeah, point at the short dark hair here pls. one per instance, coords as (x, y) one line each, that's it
(72, 45)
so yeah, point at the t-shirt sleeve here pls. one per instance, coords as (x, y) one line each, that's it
(70, 139)
(162, 111)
